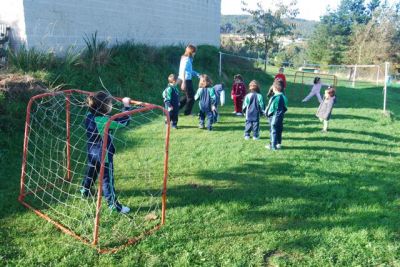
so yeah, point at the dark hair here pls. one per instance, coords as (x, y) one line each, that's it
(316, 80)
(189, 50)
(99, 103)
(238, 77)
(331, 91)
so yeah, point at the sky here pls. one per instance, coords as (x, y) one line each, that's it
(309, 9)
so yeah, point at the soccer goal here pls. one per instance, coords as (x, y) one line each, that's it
(308, 77)
(55, 163)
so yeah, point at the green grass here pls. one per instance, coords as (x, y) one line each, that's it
(324, 200)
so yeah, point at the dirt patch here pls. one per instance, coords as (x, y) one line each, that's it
(269, 255)
(16, 85)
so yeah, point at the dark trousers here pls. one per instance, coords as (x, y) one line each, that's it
(92, 172)
(252, 126)
(210, 118)
(173, 116)
(188, 98)
(215, 116)
(276, 124)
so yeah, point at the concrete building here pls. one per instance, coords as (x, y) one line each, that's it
(60, 24)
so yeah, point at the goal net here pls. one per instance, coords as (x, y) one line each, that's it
(55, 162)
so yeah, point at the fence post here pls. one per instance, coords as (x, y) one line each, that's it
(220, 65)
(354, 75)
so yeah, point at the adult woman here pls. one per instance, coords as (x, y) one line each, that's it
(186, 73)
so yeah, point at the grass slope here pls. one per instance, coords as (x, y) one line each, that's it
(324, 200)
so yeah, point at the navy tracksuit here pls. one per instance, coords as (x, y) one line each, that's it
(275, 111)
(171, 99)
(206, 97)
(94, 125)
(253, 106)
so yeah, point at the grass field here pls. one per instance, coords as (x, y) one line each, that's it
(324, 200)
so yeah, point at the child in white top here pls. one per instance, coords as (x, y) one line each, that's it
(315, 91)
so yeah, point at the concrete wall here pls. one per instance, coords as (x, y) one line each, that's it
(58, 24)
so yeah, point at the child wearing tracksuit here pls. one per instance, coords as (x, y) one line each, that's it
(220, 99)
(207, 100)
(100, 104)
(171, 100)
(275, 112)
(325, 108)
(238, 93)
(253, 106)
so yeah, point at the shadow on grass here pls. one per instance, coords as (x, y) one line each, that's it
(292, 203)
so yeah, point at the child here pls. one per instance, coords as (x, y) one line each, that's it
(238, 93)
(280, 76)
(315, 91)
(253, 106)
(275, 112)
(325, 108)
(271, 89)
(206, 95)
(100, 104)
(171, 100)
(220, 99)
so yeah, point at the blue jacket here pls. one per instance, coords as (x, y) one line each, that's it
(207, 98)
(95, 125)
(277, 106)
(253, 105)
(171, 97)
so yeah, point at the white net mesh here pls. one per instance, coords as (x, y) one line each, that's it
(55, 190)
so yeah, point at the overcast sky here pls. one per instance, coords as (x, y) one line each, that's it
(309, 9)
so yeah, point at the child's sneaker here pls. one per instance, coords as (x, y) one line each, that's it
(239, 114)
(278, 146)
(201, 126)
(269, 147)
(175, 127)
(256, 138)
(247, 138)
(86, 193)
(120, 208)
(124, 210)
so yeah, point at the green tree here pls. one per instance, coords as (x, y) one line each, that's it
(268, 24)
(332, 39)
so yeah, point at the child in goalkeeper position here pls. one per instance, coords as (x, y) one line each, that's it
(171, 100)
(315, 90)
(207, 101)
(100, 105)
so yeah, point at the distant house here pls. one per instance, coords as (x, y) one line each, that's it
(60, 24)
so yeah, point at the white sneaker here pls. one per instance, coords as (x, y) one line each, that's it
(278, 146)
(239, 114)
(247, 138)
(256, 138)
(125, 210)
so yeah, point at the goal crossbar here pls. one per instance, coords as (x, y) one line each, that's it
(304, 74)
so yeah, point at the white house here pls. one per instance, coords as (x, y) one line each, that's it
(59, 24)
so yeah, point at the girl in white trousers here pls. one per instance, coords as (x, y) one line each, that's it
(315, 91)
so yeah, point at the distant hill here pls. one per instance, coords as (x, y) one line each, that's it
(232, 23)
